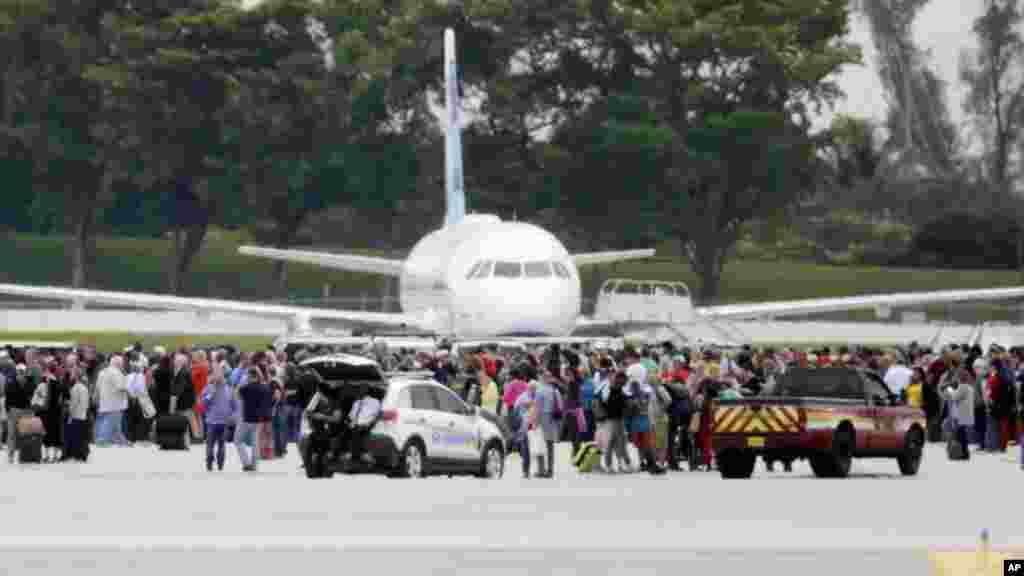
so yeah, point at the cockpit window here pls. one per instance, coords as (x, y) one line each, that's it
(473, 270)
(508, 270)
(560, 270)
(482, 269)
(537, 269)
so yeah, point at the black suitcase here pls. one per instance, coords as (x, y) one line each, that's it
(30, 449)
(955, 450)
(171, 430)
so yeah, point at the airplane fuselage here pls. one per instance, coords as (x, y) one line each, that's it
(484, 277)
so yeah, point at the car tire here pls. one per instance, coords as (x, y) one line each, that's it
(821, 465)
(736, 464)
(835, 463)
(413, 462)
(492, 461)
(913, 451)
(842, 454)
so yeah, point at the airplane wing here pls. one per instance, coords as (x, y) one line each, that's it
(162, 302)
(606, 257)
(348, 262)
(766, 310)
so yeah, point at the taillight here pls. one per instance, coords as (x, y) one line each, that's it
(389, 416)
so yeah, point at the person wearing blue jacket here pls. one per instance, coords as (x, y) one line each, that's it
(221, 411)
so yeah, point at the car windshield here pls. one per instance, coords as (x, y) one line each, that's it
(820, 383)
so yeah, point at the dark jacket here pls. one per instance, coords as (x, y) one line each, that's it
(181, 386)
(257, 402)
(615, 406)
(19, 392)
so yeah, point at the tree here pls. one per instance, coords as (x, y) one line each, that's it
(315, 132)
(922, 134)
(58, 112)
(995, 97)
(701, 72)
(995, 90)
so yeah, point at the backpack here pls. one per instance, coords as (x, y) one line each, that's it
(515, 419)
(587, 393)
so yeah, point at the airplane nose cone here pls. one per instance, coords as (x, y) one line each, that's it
(541, 308)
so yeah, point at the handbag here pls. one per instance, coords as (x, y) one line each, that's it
(581, 420)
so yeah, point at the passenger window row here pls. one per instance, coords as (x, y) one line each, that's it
(537, 269)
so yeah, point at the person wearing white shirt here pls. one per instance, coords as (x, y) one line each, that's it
(75, 445)
(361, 418)
(897, 377)
(112, 388)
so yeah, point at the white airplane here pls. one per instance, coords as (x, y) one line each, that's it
(481, 277)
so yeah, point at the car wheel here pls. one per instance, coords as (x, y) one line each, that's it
(492, 464)
(735, 464)
(842, 454)
(910, 460)
(821, 465)
(414, 461)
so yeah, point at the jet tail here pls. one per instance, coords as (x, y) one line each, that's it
(455, 194)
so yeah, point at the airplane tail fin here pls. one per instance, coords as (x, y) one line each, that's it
(455, 194)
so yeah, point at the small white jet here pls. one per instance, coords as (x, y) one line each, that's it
(481, 277)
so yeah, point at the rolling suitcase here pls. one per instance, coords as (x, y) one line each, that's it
(30, 449)
(955, 450)
(171, 430)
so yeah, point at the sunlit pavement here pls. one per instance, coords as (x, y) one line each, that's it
(103, 515)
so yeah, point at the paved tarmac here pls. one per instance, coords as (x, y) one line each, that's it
(148, 512)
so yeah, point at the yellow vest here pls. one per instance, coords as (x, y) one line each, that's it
(915, 395)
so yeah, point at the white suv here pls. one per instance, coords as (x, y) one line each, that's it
(424, 428)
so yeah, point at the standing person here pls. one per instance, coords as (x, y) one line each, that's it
(183, 394)
(679, 411)
(76, 443)
(613, 398)
(519, 424)
(640, 425)
(112, 389)
(19, 401)
(961, 397)
(200, 377)
(549, 410)
(53, 416)
(279, 418)
(252, 395)
(220, 409)
(1004, 405)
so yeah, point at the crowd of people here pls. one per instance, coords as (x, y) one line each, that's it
(644, 396)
